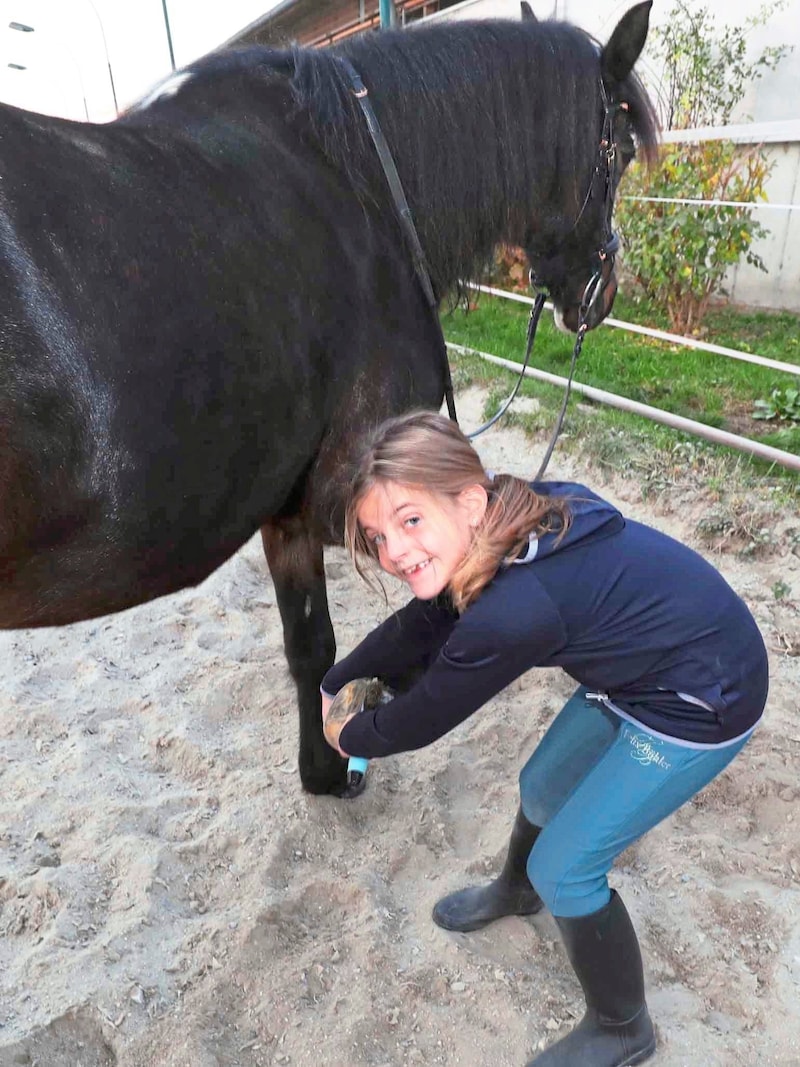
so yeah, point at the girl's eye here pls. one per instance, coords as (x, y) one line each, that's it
(413, 520)
(377, 540)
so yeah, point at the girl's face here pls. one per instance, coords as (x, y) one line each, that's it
(421, 537)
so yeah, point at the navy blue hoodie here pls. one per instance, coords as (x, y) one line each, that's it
(622, 608)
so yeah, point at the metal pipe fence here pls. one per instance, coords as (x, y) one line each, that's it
(666, 418)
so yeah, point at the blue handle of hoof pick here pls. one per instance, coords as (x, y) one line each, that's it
(356, 769)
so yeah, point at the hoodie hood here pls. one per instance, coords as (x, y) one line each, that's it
(592, 517)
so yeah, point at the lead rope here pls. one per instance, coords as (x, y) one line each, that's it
(576, 351)
(533, 322)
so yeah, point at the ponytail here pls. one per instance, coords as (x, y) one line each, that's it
(515, 513)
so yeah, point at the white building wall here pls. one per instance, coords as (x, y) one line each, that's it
(779, 288)
(76, 47)
(79, 62)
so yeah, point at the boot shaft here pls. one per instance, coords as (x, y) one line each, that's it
(616, 1030)
(605, 955)
(523, 837)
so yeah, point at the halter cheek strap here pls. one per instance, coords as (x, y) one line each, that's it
(605, 167)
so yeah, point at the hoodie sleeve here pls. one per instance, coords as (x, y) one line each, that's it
(494, 642)
(406, 642)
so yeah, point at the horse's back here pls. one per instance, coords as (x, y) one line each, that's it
(192, 301)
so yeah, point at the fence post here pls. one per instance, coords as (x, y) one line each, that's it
(387, 13)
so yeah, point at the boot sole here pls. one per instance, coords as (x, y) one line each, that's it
(640, 1057)
(468, 926)
(631, 1061)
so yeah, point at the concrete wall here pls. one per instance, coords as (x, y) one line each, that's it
(77, 59)
(779, 288)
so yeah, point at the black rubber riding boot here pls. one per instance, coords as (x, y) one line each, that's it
(616, 1029)
(510, 894)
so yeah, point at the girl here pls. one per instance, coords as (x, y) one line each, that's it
(506, 576)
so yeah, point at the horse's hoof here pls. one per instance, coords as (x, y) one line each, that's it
(356, 784)
(325, 781)
(333, 780)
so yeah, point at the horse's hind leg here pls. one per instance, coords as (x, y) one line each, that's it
(295, 560)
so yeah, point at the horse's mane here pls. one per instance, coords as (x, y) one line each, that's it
(487, 121)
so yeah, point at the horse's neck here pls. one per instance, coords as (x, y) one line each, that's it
(472, 168)
(465, 198)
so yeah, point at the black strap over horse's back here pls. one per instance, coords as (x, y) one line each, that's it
(361, 94)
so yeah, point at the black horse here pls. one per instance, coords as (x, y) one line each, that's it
(206, 301)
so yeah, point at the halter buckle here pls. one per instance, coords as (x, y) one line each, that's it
(535, 284)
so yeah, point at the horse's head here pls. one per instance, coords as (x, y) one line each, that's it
(573, 258)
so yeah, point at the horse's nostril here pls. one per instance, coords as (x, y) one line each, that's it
(609, 295)
(569, 318)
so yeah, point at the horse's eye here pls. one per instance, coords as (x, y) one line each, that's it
(626, 145)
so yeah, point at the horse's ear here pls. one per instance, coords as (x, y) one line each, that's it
(626, 43)
(527, 12)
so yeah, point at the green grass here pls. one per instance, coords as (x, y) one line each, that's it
(708, 388)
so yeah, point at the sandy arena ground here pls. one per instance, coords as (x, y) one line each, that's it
(169, 897)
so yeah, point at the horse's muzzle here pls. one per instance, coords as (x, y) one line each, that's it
(593, 304)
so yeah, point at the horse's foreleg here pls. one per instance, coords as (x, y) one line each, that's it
(296, 563)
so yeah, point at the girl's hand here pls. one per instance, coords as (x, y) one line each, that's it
(332, 727)
(353, 698)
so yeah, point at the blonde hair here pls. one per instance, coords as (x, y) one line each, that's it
(428, 451)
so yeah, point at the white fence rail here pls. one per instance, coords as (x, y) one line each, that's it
(660, 335)
(697, 202)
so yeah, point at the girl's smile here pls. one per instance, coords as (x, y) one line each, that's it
(420, 537)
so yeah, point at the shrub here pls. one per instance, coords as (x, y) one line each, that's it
(679, 253)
